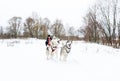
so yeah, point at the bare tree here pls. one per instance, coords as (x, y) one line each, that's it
(71, 32)
(91, 26)
(114, 18)
(109, 19)
(57, 28)
(119, 33)
(45, 27)
(14, 26)
(29, 25)
(1, 30)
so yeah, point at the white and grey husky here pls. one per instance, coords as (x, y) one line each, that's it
(65, 50)
(52, 49)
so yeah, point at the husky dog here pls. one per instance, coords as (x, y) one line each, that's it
(52, 47)
(65, 50)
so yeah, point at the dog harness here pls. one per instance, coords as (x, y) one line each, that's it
(54, 48)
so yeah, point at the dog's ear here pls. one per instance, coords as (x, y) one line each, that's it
(67, 41)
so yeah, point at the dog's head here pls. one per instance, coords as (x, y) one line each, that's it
(55, 41)
(69, 43)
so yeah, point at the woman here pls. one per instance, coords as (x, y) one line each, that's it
(48, 40)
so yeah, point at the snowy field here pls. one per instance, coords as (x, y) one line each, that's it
(25, 60)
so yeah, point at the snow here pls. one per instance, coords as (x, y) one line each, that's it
(25, 60)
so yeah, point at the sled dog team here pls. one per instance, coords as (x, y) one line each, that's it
(52, 45)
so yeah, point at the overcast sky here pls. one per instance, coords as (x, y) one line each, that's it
(69, 11)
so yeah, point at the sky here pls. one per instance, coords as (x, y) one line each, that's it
(70, 12)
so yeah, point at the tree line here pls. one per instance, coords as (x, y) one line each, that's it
(36, 27)
(101, 25)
